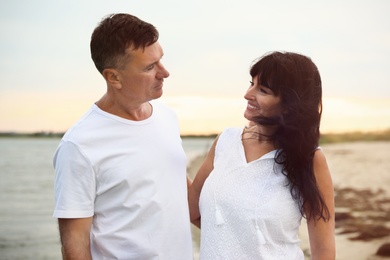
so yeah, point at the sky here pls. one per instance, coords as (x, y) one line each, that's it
(48, 80)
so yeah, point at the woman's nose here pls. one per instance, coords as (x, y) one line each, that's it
(248, 95)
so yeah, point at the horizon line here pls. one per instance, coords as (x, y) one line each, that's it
(61, 133)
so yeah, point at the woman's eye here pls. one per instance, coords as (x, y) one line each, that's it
(264, 90)
(251, 82)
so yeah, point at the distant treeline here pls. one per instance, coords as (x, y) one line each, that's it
(325, 138)
(59, 135)
(355, 136)
(36, 134)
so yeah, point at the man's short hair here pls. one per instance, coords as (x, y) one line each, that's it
(116, 33)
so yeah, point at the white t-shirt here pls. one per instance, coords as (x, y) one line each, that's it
(131, 177)
(247, 211)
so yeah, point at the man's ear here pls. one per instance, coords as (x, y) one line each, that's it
(112, 78)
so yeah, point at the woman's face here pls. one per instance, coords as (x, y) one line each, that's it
(261, 101)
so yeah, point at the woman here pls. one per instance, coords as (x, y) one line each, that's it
(257, 183)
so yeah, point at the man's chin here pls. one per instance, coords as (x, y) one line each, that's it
(158, 94)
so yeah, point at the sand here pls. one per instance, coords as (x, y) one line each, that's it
(361, 177)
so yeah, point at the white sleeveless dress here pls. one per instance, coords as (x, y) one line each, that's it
(247, 211)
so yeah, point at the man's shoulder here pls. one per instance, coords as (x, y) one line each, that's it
(84, 125)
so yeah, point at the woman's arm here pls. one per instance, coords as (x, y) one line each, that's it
(196, 186)
(75, 238)
(321, 233)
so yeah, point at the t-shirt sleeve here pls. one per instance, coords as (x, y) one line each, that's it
(74, 183)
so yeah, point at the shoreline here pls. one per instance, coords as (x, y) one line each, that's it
(361, 177)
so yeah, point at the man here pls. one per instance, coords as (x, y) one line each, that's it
(120, 184)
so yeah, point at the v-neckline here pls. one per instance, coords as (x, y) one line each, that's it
(270, 154)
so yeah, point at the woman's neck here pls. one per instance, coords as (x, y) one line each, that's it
(258, 132)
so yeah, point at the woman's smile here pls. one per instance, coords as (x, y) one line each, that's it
(252, 107)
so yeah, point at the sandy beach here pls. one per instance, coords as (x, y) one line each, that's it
(361, 177)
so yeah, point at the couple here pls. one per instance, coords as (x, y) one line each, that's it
(120, 183)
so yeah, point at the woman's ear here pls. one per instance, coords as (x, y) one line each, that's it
(112, 78)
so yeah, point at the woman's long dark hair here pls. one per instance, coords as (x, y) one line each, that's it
(296, 79)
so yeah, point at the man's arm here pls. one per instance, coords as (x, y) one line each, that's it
(75, 238)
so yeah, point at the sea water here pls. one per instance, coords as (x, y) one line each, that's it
(27, 228)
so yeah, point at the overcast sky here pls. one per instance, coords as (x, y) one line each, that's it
(48, 80)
